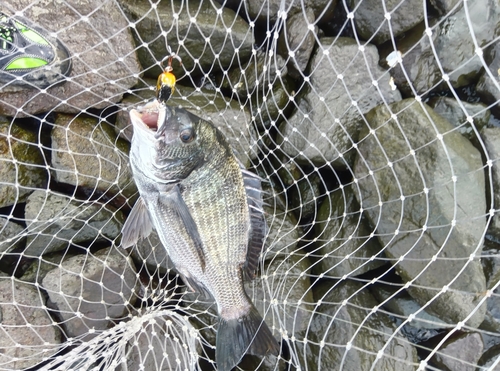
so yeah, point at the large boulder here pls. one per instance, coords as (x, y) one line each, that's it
(421, 184)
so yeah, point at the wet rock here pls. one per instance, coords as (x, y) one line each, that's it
(372, 25)
(297, 41)
(351, 335)
(211, 36)
(87, 153)
(22, 165)
(54, 221)
(489, 358)
(446, 6)
(452, 111)
(428, 205)
(271, 109)
(460, 353)
(28, 336)
(326, 122)
(90, 291)
(343, 238)
(268, 10)
(256, 78)
(453, 41)
(233, 120)
(491, 140)
(303, 193)
(101, 71)
(11, 235)
(486, 86)
(402, 305)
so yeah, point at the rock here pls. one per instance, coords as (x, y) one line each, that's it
(101, 70)
(446, 6)
(205, 37)
(256, 78)
(270, 110)
(86, 153)
(452, 111)
(55, 221)
(402, 305)
(297, 41)
(90, 291)
(303, 195)
(11, 235)
(460, 353)
(232, 119)
(490, 358)
(28, 335)
(326, 123)
(269, 10)
(491, 140)
(351, 335)
(428, 220)
(454, 43)
(487, 85)
(22, 165)
(345, 247)
(38, 269)
(151, 253)
(372, 25)
(163, 343)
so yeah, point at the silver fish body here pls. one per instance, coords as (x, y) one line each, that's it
(206, 210)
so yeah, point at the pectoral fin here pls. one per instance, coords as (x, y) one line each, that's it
(174, 201)
(138, 225)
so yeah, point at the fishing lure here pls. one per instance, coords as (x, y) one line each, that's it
(165, 85)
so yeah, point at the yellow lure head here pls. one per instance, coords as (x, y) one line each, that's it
(165, 85)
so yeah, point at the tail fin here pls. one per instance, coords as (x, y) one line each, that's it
(247, 334)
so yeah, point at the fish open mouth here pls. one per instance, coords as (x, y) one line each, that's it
(146, 115)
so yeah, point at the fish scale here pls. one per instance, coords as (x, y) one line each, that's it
(207, 211)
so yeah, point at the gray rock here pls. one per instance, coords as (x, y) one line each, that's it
(460, 353)
(453, 43)
(207, 45)
(326, 124)
(297, 41)
(87, 153)
(371, 24)
(491, 140)
(11, 235)
(402, 305)
(343, 238)
(39, 268)
(421, 211)
(452, 111)
(22, 165)
(28, 335)
(490, 358)
(351, 335)
(487, 85)
(268, 10)
(101, 71)
(55, 221)
(233, 120)
(90, 291)
(446, 6)
(150, 252)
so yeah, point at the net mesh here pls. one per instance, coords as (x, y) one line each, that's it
(374, 124)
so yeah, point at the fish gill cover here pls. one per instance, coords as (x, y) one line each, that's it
(373, 125)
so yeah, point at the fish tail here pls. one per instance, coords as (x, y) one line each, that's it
(246, 334)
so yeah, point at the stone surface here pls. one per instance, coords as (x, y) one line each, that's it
(460, 353)
(87, 153)
(372, 25)
(343, 238)
(11, 235)
(491, 140)
(326, 123)
(487, 84)
(54, 221)
(22, 165)
(339, 325)
(227, 115)
(457, 112)
(211, 35)
(297, 41)
(25, 323)
(446, 6)
(428, 220)
(90, 291)
(264, 10)
(102, 53)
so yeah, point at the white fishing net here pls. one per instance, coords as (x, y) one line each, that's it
(373, 123)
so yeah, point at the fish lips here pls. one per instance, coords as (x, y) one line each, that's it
(151, 120)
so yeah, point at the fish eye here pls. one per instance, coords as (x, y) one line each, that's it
(187, 135)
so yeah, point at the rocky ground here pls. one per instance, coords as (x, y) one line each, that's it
(380, 147)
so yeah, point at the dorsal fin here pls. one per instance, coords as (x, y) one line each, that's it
(258, 226)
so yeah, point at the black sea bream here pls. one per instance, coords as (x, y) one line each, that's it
(207, 211)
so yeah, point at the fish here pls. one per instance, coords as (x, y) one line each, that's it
(207, 210)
